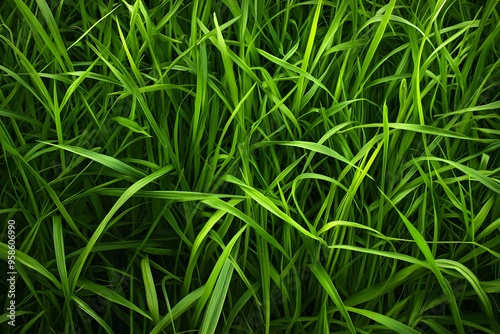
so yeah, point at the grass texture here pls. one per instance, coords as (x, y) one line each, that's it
(252, 166)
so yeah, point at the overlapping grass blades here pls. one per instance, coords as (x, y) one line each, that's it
(252, 166)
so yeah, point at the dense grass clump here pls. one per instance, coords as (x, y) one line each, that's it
(251, 166)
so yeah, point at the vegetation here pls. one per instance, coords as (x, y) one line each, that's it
(251, 166)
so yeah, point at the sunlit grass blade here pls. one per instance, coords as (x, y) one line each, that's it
(149, 287)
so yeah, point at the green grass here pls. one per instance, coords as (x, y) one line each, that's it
(251, 166)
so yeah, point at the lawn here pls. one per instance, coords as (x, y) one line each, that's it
(250, 166)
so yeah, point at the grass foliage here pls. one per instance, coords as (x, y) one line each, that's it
(252, 166)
